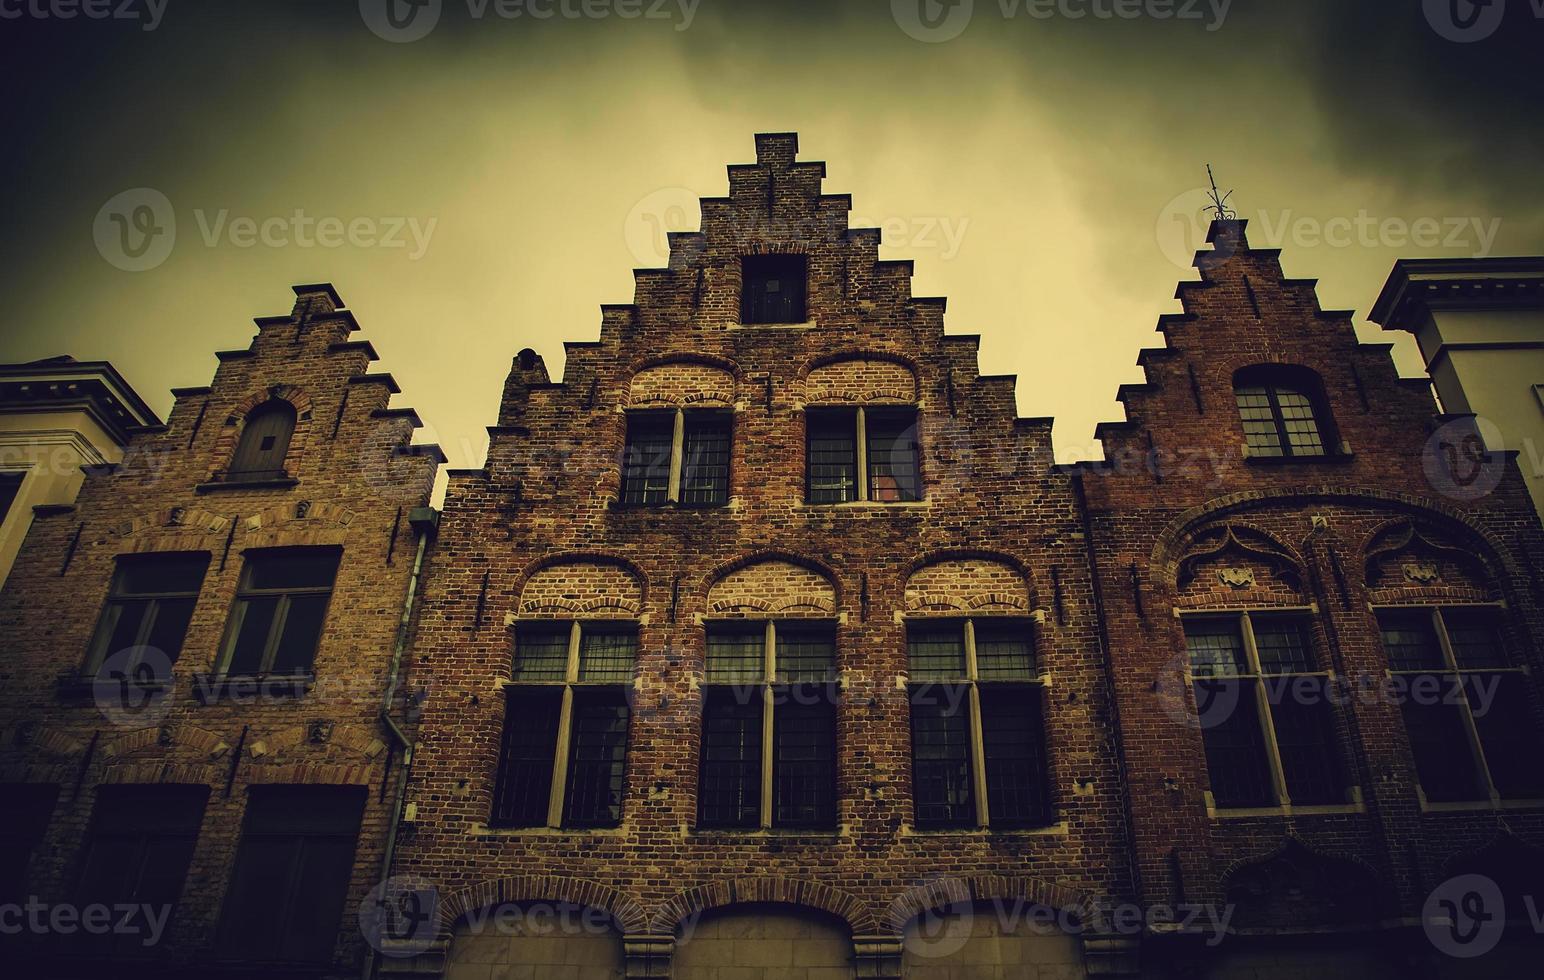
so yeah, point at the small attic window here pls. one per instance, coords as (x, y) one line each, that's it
(773, 288)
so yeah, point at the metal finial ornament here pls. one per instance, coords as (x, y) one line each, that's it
(1220, 200)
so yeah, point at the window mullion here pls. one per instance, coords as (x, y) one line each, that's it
(677, 452)
(977, 740)
(768, 731)
(862, 454)
(560, 759)
(1466, 712)
(1274, 397)
(1267, 719)
(571, 668)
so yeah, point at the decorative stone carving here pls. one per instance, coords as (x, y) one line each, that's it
(1421, 573)
(1236, 578)
(319, 732)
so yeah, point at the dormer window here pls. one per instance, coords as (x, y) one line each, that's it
(1285, 413)
(773, 288)
(264, 442)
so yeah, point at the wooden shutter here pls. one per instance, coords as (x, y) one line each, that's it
(264, 442)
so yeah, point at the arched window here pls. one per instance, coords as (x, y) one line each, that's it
(264, 441)
(1284, 412)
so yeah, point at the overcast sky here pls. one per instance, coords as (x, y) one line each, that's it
(497, 179)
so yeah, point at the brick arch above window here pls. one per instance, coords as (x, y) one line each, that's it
(682, 384)
(1236, 563)
(622, 908)
(1411, 560)
(773, 586)
(860, 379)
(581, 588)
(967, 586)
(794, 890)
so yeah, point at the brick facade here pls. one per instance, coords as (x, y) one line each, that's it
(353, 482)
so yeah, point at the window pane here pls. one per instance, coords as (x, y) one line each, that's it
(1260, 433)
(705, 466)
(773, 288)
(1302, 429)
(940, 750)
(541, 652)
(805, 654)
(1012, 735)
(1235, 743)
(936, 652)
(804, 760)
(597, 758)
(293, 568)
(605, 654)
(315, 908)
(160, 575)
(121, 623)
(301, 633)
(1475, 638)
(1216, 646)
(832, 456)
(646, 463)
(524, 784)
(252, 635)
(736, 654)
(893, 473)
(729, 787)
(253, 912)
(1283, 642)
(1443, 759)
(170, 626)
(1004, 652)
(1305, 736)
(1507, 733)
(1410, 640)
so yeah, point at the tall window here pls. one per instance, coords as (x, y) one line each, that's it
(977, 732)
(773, 288)
(137, 854)
(1465, 706)
(10, 486)
(1284, 412)
(862, 454)
(147, 613)
(769, 726)
(563, 755)
(677, 457)
(264, 442)
(281, 605)
(1264, 705)
(293, 866)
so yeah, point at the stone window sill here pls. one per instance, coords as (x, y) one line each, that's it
(1058, 829)
(483, 830)
(1325, 810)
(765, 833)
(209, 688)
(218, 486)
(864, 506)
(1480, 806)
(77, 687)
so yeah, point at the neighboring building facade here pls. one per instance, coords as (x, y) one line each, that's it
(1293, 584)
(1480, 327)
(199, 653)
(56, 417)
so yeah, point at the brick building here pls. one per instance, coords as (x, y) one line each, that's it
(177, 729)
(1296, 565)
(771, 645)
